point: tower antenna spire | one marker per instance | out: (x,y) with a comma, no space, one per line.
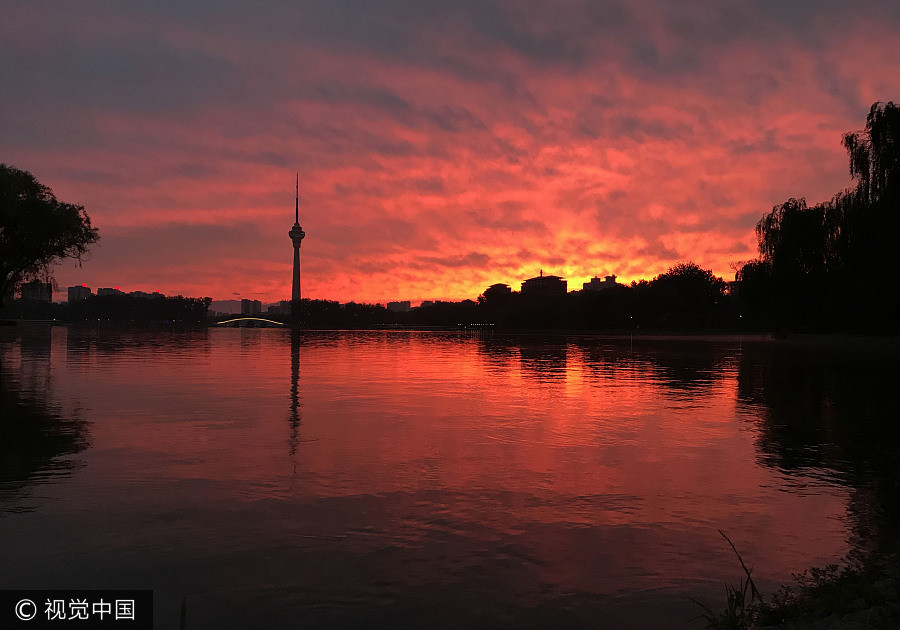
(296,235)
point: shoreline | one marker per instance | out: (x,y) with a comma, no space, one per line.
(857,596)
(882,342)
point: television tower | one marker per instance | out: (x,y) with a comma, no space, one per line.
(296,235)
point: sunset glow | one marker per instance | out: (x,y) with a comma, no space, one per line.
(442,147)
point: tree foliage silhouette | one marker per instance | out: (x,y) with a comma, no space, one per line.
(875,152)
(830,266)
(685,296)
(36,229)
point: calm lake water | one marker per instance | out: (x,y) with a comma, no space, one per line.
(396,479)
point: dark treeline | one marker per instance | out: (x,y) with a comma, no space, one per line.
(331,314)
(126,309)
(684,298)
(830,267)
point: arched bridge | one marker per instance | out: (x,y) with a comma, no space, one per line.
(250,322)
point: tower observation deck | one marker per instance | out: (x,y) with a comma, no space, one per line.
(296,235)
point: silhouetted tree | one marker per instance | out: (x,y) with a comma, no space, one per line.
(36,229)
(495,295)
(792,238)
(793,242)
(138,310)
(608,309)
(331,314)
(756,281)
(832,265)
(445,314)
(686,296)
(875,152)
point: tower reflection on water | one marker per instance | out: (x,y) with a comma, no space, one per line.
(295,396)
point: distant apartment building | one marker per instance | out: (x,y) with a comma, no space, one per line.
(544,285)
(79,293)
(282,308)
(251,307)
(399,307)
(37,291)
(596,284)
(109,291)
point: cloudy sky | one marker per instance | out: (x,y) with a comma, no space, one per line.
(442,145)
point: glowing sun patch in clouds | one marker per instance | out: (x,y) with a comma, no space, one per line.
(441,148)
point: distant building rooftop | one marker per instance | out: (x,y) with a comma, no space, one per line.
(76,293)
(596,284)
(399,307)
(37,291)
(544,285)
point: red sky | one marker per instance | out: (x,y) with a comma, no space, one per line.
(441,146)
